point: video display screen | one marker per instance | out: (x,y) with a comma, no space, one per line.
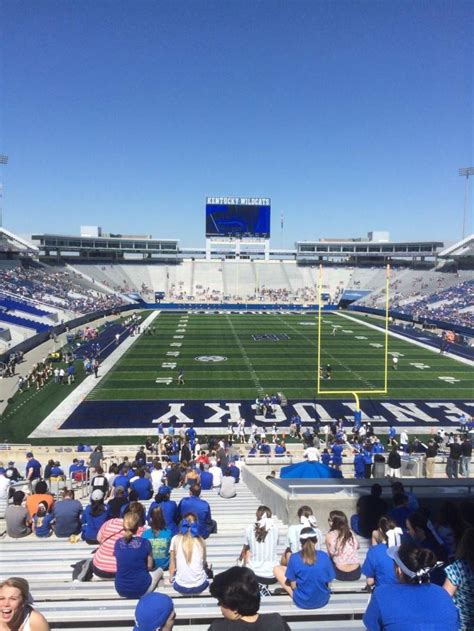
(238,220)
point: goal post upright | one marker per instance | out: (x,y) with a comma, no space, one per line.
(354,393)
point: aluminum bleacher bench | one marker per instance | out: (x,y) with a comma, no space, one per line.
(196,610)
(296,625)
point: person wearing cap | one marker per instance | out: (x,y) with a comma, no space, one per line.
(40,494)
(237,593)
(308,573)
(33,469)
(168,507)
(16,517)
(413,602)
(93,517)
(154,612)
(12,473)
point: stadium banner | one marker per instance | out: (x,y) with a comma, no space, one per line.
(210,415)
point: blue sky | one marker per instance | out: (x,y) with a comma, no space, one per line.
(351,116)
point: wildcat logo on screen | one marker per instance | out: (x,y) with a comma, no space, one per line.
(211,358)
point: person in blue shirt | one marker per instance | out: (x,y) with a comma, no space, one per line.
(280,450)
(169,508)
(392,432)
(142,486)
(206,477)
(326,457)
(191,436)
(307,574)
(122,480)
(378,567)
(337,450)
(377,447)
(234,471)
(412,603)
(160,538)
(253,451)
(33,468)
(42,526)
(135,574)
(265,448)
(359,466)
(93,517)
(368,460)
(413,504)
(201,509)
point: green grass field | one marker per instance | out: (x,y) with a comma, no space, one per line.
(287,364)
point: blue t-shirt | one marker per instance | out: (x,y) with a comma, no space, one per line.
(379,566)
(160,545)
(143,488)
(91,524)
(415,607)
(325,458)
(399,515)
(43,525)
(234,472)
(202,511)
(169,508)
(133,578)
(35,466)
(206,480)
(337,454)
(311,590)
(122,480)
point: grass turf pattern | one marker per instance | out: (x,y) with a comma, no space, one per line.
(274,352)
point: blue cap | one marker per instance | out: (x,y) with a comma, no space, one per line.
(152,611)
(164,490)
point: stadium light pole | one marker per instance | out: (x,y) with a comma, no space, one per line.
(3,160)
(465,172)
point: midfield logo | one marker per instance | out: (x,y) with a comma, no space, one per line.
(211,358)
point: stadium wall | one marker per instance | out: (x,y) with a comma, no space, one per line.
(34,341)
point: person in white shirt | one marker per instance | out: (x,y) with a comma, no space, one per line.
(156,476)
(260,549)
(312,454)
(5,484)
(216,475)
(404,440)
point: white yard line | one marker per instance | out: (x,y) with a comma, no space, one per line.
(247,361)
(399,336)
(52,423)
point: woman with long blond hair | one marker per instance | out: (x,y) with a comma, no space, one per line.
(342,547)
(16,607)
(135,574)
(188,558)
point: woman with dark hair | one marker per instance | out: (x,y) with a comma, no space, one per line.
(306,519)
(422,532)
(42,521)
(378,567)
(460,580)
(238,596)
(412,603)
(160,538)
(342,547)
(136,574)
(259,552)
(168,507)
(94,517)
(308,573)
(450,526)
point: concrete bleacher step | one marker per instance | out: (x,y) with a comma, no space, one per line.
(198,610)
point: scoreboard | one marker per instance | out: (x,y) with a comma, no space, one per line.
(238,217)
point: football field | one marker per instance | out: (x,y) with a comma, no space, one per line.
(237,357)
